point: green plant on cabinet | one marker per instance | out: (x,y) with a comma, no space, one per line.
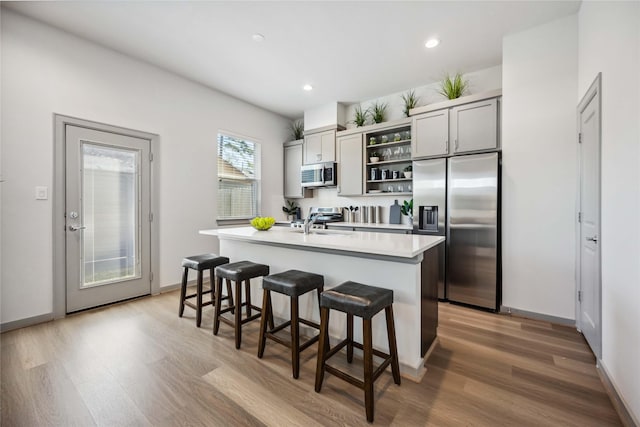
(453,87)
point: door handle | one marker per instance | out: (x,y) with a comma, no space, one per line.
(593,239)
(75,228)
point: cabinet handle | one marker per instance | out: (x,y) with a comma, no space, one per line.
(446,145)
(456,142)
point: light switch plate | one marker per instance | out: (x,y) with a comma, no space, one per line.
(42,193)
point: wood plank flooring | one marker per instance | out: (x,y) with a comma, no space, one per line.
(138,364)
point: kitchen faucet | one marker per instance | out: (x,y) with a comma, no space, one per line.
(308,222)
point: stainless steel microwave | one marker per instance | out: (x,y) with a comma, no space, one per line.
(319,175)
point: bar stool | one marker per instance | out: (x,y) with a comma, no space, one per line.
(238,272)
(363,301)
(199,263)
(292,283)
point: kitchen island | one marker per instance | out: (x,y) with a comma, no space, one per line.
(408,264)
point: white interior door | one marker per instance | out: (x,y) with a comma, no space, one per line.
(107,217)
(589,278)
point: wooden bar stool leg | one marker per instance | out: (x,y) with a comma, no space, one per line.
(216,317)
(270,313)
(393,348)
(247,298)
(212,275)
(349,337)
(229,294)
(183,291)
(199,299)
(368,367)
(238,314)
(295,338)
(319,291)
(323,346)
(266,302)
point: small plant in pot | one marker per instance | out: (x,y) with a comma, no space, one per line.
(360,116)
(378,111)
(408,171)
(410,101)
(407,209)
(374,157)
(291,209)
(453,87)
(297,129)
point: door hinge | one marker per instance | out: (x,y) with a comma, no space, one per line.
(150,156)
(579,216)
(151,276)
(580,138)
(150,216)
(579,296)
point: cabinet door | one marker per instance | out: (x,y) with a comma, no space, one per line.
(431,134)
(320,147)
(312,149)
(292,163)
(474,127)
(350,165)
(328,144)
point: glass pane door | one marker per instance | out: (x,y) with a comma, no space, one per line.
(110,208)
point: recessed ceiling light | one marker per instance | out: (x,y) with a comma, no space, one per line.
(307,87)
(257,37)
(431,43)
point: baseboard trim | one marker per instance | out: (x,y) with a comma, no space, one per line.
(23,323)
(626,416)
(537,316)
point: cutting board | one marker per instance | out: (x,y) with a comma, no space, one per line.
(394,213)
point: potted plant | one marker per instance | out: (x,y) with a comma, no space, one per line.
(297,129)
(408,171)
(410,101)
(453,87)
(360,116)
(407,209)
(378,111)
(291,209)
(374,157)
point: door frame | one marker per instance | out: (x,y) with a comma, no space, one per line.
(595,90)
(59,197)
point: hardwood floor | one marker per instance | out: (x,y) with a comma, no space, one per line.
(138,364)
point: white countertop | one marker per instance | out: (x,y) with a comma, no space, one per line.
(387,244)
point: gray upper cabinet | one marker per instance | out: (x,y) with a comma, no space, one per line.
(350,165)
(292,163)
(474,127)
(431,134)
(320,147)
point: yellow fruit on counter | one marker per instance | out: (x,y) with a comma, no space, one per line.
(263,223)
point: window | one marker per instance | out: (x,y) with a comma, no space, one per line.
(238,178)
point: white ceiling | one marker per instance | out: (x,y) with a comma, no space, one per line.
(348,51)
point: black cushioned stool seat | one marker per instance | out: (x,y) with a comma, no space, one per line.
(238,272)
(363,301)
(292,283)
(199,263)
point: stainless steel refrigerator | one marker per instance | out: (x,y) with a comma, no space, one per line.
(459,198)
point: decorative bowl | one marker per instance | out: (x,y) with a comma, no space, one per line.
(263,223)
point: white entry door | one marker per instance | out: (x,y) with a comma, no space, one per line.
(589,278)
(107,217)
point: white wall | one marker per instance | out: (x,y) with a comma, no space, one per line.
(46,71)
(539,74)
(609,42)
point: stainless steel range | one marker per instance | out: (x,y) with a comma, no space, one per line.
(320,217)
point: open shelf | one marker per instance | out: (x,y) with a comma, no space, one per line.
(388,144)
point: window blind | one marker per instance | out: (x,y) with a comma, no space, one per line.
(238,185)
